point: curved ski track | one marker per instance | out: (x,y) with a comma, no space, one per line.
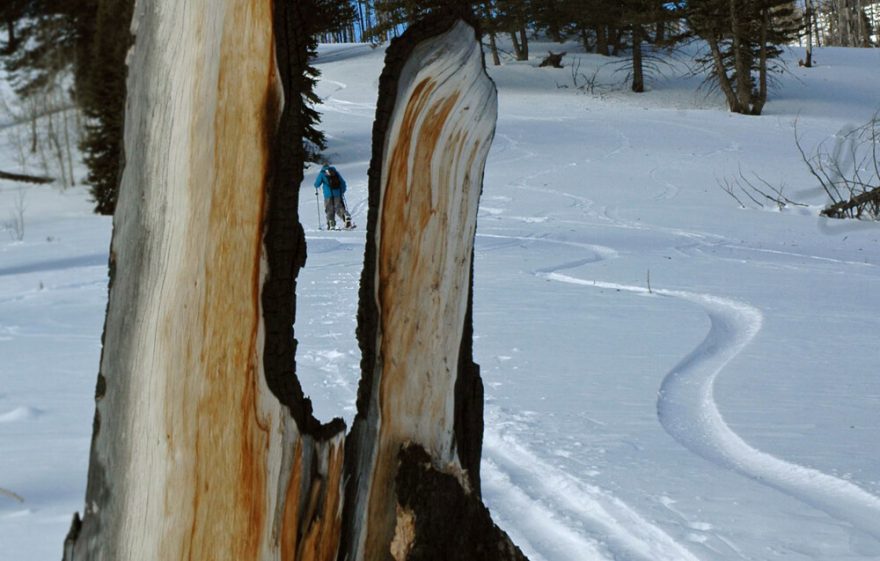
(688,412)
(686,407)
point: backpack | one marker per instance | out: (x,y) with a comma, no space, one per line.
(333,179)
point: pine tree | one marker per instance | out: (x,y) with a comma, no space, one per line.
(50,37)
(11,11)
(744,37)
(103,101)
(320,16)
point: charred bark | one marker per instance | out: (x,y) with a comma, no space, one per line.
(438,520)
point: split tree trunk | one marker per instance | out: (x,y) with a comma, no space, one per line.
(204,446)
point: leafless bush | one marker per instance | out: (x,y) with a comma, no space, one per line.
(849,171)
(758,190)
(15,224)
(585,82)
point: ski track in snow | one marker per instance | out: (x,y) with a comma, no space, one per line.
(688,412)
(569,510)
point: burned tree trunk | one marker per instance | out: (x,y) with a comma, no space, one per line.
(435,122)
(204,446)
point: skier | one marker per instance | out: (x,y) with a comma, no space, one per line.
(334,199)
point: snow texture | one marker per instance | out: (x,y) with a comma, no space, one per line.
(668,376)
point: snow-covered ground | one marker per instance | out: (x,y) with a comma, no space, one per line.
(669,377)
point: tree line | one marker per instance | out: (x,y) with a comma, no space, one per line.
(88,41)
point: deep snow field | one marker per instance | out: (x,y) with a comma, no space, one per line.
(669,377)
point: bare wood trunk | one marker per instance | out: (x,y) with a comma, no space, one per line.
(204,446)
(420,385)
(201,447)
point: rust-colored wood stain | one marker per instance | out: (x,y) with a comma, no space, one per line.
(416,244)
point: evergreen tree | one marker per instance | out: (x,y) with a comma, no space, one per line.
(11,11)
(744,37)
(319,16)
(103,102)
(50,36)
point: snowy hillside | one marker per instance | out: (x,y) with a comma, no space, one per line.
(669,377)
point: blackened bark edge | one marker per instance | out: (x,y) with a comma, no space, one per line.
(449,524)
(285,239)
(468,398)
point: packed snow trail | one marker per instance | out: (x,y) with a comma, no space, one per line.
(687,410)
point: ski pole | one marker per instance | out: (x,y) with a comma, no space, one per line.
(345,204)
(318,206)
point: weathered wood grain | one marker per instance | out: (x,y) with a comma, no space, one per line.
(435,124)
(194,455)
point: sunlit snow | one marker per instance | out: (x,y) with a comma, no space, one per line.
(669,377)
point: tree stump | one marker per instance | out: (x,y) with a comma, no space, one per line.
(204,445)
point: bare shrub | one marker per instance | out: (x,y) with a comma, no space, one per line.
(15,224)
(849,171)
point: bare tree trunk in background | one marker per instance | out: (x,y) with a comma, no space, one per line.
(204,445)
(808,16)
(864,25)
(585,39)
(759,101)
(602,39)
(493,47)
(721,72)
(517,49)
(616,36)
(660,32)
(523,43)
(638,83)
(742,61)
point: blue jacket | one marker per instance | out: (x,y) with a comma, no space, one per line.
(323,180)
